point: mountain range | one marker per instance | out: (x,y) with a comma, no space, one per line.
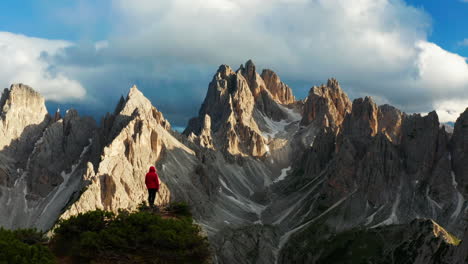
(270,178)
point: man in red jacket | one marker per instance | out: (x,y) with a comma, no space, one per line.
(152,183)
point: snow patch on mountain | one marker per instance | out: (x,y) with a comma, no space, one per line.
(284,173)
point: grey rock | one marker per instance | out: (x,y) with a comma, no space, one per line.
(258,168)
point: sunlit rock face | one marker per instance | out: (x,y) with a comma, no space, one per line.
(42,158)
(326,105)
(140,134)
(280,92)
(234,102)
(266,175)
(23,118)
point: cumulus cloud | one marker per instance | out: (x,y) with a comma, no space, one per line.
(21,62)
(374,47)
(444,72)
(449,110)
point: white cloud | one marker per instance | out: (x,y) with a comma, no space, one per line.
(449,111)
(376,47)
(21,62)
(439,70)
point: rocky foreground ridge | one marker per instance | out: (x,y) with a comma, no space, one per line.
(267,175)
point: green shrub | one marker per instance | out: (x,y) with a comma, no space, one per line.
(180,209)
(23,247)
(132,237)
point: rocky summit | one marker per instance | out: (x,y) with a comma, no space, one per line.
(269,178)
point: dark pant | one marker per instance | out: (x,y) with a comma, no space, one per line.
(152,196)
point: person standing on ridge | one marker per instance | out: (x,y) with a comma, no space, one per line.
(152,183)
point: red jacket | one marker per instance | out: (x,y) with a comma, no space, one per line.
(152,179)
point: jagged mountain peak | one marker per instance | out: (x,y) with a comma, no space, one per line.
(236,101)
(248,166)
(22,96)
(57,115)
(23,89)
(23,115)
(136,100)
(134,91)
(248,67)
(280,92)
(333,83)
(135,94)
(363,104)
(135,105)
(332,88)
(224,71)
(363,119)
(71,114)
(326,105)
(250,64)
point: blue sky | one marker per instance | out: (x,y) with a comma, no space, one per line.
(85,55)
(55,19)
(449,22)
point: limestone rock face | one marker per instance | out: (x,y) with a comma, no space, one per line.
(230,104)
(243,108)
(266,176)
(363,120)
(42,160)
(23,118)
(280,92)
(206,139)
(326,105)
(380,174)
(55,153)
(140,133)
(390,120)
(254,80)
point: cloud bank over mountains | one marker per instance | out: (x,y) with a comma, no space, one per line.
(373,47)
(22,61)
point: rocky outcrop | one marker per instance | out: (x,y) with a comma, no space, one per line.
(23,118)
(254,80)
(256,240)
(55,153)
(43,160)
(419,143)
(390,120)
(326,105)
(206,139)
(457,254)
(267,177)
(363,120)
(280,92)
(459,146)
(386,168)
(140,133)
(420,241)
(230,103)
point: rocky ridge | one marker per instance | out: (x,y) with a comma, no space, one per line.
(262,171)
